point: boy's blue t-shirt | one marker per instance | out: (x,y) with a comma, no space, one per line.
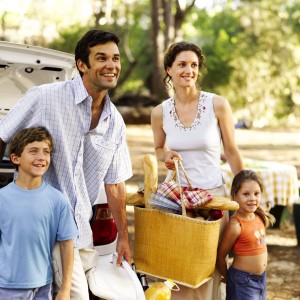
(30,223)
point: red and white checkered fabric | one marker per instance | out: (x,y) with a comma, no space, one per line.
(192,197)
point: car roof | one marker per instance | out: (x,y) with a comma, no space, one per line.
(24,66)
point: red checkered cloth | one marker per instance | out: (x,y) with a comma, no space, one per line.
(192,197)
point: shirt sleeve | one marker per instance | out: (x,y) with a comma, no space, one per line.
(67,228)
(120,168)
(24,114)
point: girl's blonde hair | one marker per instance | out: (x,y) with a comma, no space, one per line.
(249,175)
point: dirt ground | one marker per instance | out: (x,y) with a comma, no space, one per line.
(283,271)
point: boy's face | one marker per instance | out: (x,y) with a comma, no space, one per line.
(105,67)
(34,160)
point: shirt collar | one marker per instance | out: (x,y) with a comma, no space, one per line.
(80,91)
(81,94)
(106,108)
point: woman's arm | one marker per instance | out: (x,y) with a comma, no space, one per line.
(161,150)
(232,232)
(224,115)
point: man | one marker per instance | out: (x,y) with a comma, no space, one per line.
(90,142)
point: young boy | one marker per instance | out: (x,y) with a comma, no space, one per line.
(33,215)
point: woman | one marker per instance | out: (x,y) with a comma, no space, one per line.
(191,125)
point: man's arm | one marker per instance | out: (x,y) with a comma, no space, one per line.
(116,196)
(2,149)
(67,260)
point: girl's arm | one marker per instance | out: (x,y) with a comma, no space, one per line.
(161,150)
(224,115)
(232,232)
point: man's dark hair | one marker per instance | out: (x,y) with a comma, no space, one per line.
(92,38)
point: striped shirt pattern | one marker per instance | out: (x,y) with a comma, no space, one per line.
(82,159)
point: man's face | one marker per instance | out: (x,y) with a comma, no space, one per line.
(105,67)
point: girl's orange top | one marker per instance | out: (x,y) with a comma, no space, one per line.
(252,240)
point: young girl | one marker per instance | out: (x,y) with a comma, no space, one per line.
(245,236)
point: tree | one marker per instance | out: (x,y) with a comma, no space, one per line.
(167,20)
(265,69)
(251,55)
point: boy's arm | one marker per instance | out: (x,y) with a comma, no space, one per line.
(67,260)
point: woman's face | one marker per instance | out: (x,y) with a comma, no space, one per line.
(185,69)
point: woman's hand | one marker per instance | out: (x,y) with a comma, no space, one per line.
(169,159)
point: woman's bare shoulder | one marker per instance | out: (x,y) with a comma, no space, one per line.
(157,111)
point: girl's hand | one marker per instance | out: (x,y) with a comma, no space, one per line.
(169,159)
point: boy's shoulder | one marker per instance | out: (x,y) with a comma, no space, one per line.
(6,189)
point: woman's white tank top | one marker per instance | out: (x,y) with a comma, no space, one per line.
(199,144)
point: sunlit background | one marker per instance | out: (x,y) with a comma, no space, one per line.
(252,48)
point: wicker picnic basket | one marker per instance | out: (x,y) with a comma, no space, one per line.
(171,246)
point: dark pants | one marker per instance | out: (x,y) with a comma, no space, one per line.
(296,215)
(245,286)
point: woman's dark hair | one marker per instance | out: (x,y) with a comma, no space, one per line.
(172,53)
(249,175)
(92,38)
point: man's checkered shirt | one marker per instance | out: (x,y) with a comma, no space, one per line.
(82,159)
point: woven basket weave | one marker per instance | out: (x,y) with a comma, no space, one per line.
(176,247)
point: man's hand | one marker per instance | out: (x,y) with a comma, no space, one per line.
(63,294)
(123,250)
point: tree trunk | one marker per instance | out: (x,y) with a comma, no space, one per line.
(157,89)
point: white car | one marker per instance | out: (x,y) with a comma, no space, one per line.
(22,67)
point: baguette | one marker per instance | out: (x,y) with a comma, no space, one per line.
(136,199)
(150,186)
(150,176)
(223,203)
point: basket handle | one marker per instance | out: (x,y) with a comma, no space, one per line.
(176,161)
(184,172)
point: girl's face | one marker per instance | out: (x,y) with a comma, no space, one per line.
(185,69)
(248,196)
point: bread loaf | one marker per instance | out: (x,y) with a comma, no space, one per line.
(150,176)
(136,199)
(150,186)
(223,203)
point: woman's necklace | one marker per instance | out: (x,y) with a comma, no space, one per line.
(197,119)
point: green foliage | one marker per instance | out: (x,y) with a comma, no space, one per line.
(251,49)
(68,38)
(216,36)
(252,55)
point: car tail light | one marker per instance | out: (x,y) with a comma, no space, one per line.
(103,225)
